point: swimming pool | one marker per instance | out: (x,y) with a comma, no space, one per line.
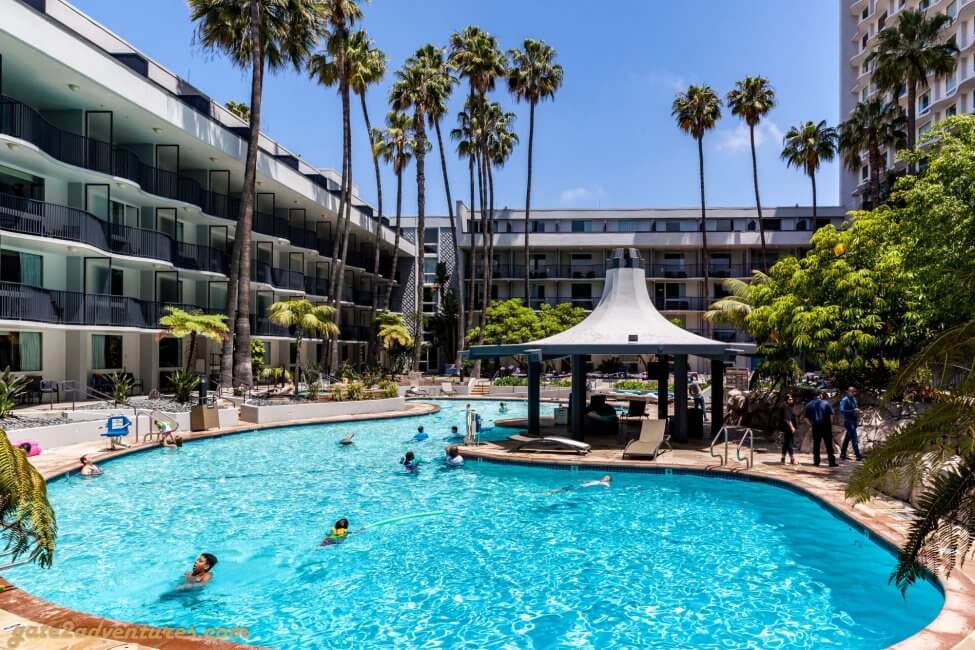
(522,557)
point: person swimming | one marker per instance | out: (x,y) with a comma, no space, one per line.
(172,441)
(89,468)
(605,481)
(202,571)
(454,433)
(347,440)
(410,462)
(338,534)
(421,435)
(454,459)
(502,408)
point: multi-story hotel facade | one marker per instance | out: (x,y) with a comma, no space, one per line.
(119,191)
(860,22)
(569,249)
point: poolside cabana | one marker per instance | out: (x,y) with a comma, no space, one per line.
(625,322)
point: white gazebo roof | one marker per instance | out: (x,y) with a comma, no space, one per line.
(624,322)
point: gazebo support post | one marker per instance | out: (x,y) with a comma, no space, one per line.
(663,374)
(717,395)
(577,400)
(680,398)
(534,379)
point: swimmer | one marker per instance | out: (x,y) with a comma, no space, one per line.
(347,440)
(502,408)
(454,434)
(410,462)
(421,435)
(605,481)
(89,468)
(171,441)
(202,571)
(454,459)
(339,532)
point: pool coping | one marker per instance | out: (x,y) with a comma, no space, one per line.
(54,621)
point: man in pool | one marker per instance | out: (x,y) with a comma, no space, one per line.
(454,459)
(202,571)
(89,468)
(421,435)
(605,481)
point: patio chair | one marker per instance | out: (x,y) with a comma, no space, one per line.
(117,427)
(549,443)
(415,391)
(653,436)
(447,388)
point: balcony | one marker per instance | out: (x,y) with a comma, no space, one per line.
(262,326)
(317,286)
(684,303)
(279,278)
(199,258)
(586,303)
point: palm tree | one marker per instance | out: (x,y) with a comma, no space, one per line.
(253,35)
(907,53)
(420,88)
(393,332)
(534,76)
(872,126)
(697,110)
(463,134)
(395,146)
(434,59)
(305,319)
(734,308)
(240,109)
(180,323)
(751,99)
(368,68)
(808,145)
(500,141)
(936,452)
(27,523)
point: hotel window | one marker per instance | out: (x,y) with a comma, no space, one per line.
(864,173)
(672,226)
(951,82)
(924,4)
(924,102)
(21,351)
(537,226)
(429,270)
(881,21)
(865,13)
(431,237)
(106,352)
(22,268)
(924,129)
(952,10)
(21,185)
(582,226)
(952,110)
(772,225)
(631,225)
(721,225)
(169,353)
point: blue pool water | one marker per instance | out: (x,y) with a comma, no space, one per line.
(522,557)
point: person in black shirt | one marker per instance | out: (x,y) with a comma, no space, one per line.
(789,424)
(819,412)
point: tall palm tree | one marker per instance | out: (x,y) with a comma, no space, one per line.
(27,523)
(697,110)
(396,146)
(304,318)
(907,53)
(751,99)
(500,142)
(434,59)
(463,134)
(533,76)
(872,126)
(180,323)
(393,333)
(419,88)
(368,67)
(807,146)
(253,35)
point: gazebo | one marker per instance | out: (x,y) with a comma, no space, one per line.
(625,322)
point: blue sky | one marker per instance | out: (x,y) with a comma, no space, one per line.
(608,140)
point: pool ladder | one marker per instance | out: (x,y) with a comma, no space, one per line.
(748,435)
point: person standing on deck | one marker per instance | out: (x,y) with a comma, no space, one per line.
(819,412)
(789,425)
(850,408)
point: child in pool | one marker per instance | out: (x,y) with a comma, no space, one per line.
(410,462)
(339,532)
(202,571)
(454,459)
(421,435)
(502,408)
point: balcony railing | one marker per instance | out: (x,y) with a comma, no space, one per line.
(262,326)
(317,286)
(280,278)
(681,303)
(200,258)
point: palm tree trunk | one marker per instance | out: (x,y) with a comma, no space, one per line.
(421,147)
(458,265)
(399,211)
(227,349)
(242,240)
(812,177)
(347,219)
(911,114)
(482,198)
(297,359)
(373,347)
(189,358)
(758,200)
(528,194)
(704,228)
(874,157)
(490,270)
(471,256)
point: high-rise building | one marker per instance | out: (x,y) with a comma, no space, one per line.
(860,22)
(119,192)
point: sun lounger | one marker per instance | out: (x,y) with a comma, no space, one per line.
(447,388)
(550,443)
(415,390)
(653,435)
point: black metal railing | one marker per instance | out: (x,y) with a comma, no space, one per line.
(316,286)
(280,278)
(681,303)
(263,326)
(200,258)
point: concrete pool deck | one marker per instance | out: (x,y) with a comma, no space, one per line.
(28,621)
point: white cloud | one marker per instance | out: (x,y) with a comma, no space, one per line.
(668,80)
(572,196)
(738,139)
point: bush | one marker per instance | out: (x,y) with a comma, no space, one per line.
(11,388)
(122,384)
(635,384)
(560,383)
(389,388)
(511,381)
(355,391)
(609,365)
(184,382)
(345,371)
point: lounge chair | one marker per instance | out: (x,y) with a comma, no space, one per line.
(653,435)
(447,388)
(414,391)
(549,443)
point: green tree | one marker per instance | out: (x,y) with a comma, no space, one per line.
(872,126)
(27,520)
(806,147)
(180,324)
(395,145)
(240,109)
(697,110)
(935,451)
(305,319)
(254,35)
(533,77)
(751,99)
(906,53)
(510,321)
(395,338)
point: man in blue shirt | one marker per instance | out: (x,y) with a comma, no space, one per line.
(819,412)
(850,408)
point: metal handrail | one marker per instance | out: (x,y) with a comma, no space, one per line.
(750,461)
(724,460)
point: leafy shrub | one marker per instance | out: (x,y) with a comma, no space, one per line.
(345,371)
(314,388)
(257,355)
(122,384)
(389,388)
(635,384)
(11,388)
(355,391)
(184,382)
(560,383)
(511,381)
(609,364)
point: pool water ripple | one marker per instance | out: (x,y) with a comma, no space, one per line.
(521,557)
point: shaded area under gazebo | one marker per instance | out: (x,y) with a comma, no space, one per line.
(625,322)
